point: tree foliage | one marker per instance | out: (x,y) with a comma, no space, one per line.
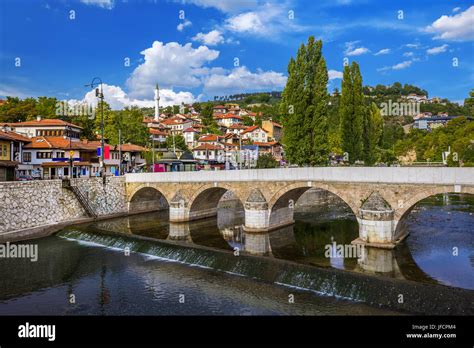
(351,112)
(304,106)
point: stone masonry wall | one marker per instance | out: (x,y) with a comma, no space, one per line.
(32,204)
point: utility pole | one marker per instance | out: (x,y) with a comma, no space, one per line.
(240,151)
(97,81)
(120,152)
(174,145)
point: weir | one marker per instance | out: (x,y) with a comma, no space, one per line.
(419,298)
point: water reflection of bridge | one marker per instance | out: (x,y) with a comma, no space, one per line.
(226,232)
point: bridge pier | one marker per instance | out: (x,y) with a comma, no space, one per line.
(377,225)
(180,232)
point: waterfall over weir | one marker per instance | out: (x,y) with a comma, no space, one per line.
(373,290)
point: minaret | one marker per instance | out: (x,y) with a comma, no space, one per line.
(157,102)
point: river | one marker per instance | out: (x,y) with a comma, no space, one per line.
(92,269)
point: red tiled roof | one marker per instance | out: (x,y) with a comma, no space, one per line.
(156,132)
(44,123)
(9,135)
(210,137)
(249,129)
(237,126)
(130,148)
(61,143)
(208,147)
(219,107)
(191,129)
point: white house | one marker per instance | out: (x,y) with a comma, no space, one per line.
(255,133)
(45,127)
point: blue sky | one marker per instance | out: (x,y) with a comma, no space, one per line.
(196,49)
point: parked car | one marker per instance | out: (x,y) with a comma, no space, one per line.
(25,178)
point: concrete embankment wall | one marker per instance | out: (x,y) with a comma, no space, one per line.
(28,209)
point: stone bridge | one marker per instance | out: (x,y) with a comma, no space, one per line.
(380,197)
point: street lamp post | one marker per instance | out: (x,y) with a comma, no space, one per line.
(96,82)
(70,152)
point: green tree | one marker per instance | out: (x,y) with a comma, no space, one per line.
(130,122)
(469,104)
(266,160)
(247,121)
(179,143)
(46,107)
(351,112)
(373,125)
(17,110)
(304,106)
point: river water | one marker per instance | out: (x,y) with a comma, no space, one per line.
(83,270)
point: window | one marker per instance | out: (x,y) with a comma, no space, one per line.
(42,155)
(3,151)
(26,156)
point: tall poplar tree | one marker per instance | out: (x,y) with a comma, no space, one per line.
(351,112)
(373,126)
(304,106)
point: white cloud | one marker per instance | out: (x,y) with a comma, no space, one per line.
(456,9)
(459,27)
(107,4)
(118,99)
(383,51)
(212,38)
(223,5)
(351,50)
(241,79)
(171,65)
(437,50)
(403,65)
(415,45)
(408,54)
(334,74)
(269,20)
(183,25)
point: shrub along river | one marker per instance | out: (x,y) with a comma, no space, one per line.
(144,265)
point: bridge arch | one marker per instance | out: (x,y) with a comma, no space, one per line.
(402,213)
(204,201)
(282,203)
(147,198)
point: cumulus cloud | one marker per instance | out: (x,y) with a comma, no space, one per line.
(171,65)
(118,99)
(459,27)
(269,20)
(408,54)
(383,51)
(241,79)
(183,25)
(437,50)
(212,38)
(107,4)
(334,74)
(352,50)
